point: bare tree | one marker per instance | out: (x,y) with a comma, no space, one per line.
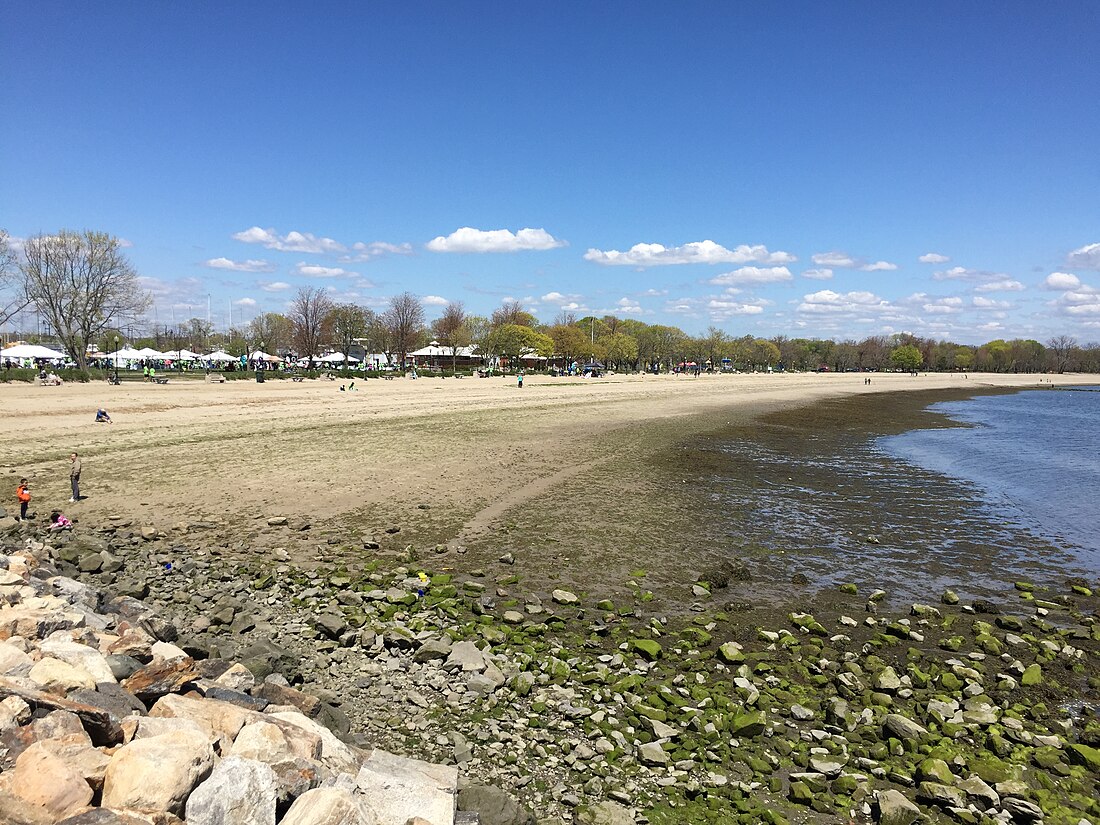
(13,296)
(80,282)
(451,330)
(1062,347)
(512,312)
(308,312)
(404,322)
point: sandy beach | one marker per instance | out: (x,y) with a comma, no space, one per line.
(469,449)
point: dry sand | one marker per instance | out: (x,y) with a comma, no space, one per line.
(470,448)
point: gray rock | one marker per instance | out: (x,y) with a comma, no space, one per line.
(330,624)
(942,795)
(606,813)
(564,597)
(432,650)
(466,657)
(494,806)
(238,792)
(1022,809)
(651,753)
(902,727)
(895,809)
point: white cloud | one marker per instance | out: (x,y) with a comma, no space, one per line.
(629,305)
(375,249)
(933,305)
(697,252)
(981,302)
(655,293)
(558,298)
(239,266)
(827,302)
(245,302)
(435,301)
(843,260)
(720,309)
(1007,285)
(290,242)
(962,273)
(1087,257)
(275,286)
(820,274)
(125,244)
(468,239)
(1062,280)
(315,271)
(933,258)
(839,259)
(754,275)
(991,326)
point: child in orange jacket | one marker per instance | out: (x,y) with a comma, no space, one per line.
(24,497)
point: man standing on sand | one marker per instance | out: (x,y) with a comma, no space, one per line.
(74,476)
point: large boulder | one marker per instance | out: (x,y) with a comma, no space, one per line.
(895,809)
(399,788)
(45,781)
(158,773)
(237,792)
(329,806)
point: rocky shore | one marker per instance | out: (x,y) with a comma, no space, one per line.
(565,706)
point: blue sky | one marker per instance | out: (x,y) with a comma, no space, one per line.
(766,168)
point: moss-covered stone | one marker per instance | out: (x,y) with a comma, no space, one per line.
(650,650)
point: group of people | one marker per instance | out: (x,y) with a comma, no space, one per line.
(57,520)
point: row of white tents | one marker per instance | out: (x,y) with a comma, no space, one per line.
(127,355)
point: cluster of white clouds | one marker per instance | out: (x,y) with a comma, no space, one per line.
(842,260)
(697,252)
(754,267)
(1077,299)
(468,239)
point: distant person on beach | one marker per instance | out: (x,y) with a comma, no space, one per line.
(23,496)
(102,417)
(74,476)
(58,522)
(519,379)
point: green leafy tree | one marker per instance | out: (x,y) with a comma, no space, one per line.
(906,357)
(346,324)
(619,348)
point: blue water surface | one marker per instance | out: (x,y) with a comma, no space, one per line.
(1033,456)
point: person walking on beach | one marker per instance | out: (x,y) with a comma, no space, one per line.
(74,476)
(519,379)
(23,496)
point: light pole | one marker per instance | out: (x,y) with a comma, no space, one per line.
(116,359)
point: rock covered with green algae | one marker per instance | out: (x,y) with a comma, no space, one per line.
(939,710)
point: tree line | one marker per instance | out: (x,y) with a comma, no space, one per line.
(83,285)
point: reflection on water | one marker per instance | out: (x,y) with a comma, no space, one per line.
(1032,456)
(912,513)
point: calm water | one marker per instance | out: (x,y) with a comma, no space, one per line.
(1032,458)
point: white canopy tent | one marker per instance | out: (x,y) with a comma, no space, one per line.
(181,355)
(21,351)
(336,358)
(149,352)
(127,354)
(220,357)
